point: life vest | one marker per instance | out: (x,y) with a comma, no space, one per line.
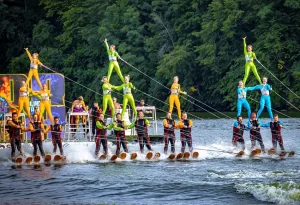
(185,131)
(168,130)
(45,96)
(56,131)
(101,132)
(254,131)
(37,135)
(141,127)
(34,64)
(15,133)
(275,128)
(239,132)
(23,92)
(264,91)
(112,56)
(120,124)
(243,94)
(126,89)
(175,90)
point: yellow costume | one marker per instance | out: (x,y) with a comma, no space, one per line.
(174,97)
(34,63)
(45,104)
(24,100)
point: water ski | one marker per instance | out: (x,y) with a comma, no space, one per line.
(48,158)
(195,154)
(28,160)
(123,155)
(291,154)
(133,156)
(156,156)
(172,156)
(19,160)
(149,155)
(103,157)
(179,155)
(240,153)
(186,155)
(255,152)
(37,159)
(282,154)
(271,151)
(58,158)
(113,157)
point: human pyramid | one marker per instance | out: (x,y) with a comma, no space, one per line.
(37,129)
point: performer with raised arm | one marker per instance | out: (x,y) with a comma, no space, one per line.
(174,97)
(34,64)
(113,63)
(242,101)
(249,57)
(127,96)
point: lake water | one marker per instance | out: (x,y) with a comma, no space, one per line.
(213,178)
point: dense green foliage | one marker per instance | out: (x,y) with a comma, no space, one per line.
(200,41)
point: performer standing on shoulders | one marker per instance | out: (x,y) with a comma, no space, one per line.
(238,132)
(249,56)
(101,137)
(185,126)
(174,97)
(254,126)
(36,128)
(45,103)
(141,127)
(23,101)
(107,100)
(113,63)
(242,101)
(127,96)
(265,98)
(169,134)
(14,129)
(34,64)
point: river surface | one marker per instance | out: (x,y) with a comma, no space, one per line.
(213,178)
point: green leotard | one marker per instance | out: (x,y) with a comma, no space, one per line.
(249,57)
(106,88)
(127,96)
(113,63)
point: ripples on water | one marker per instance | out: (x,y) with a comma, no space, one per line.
(215,178)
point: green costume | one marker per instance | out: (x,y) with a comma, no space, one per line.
(249,57)
(113,63)
(127,96)
(106,87)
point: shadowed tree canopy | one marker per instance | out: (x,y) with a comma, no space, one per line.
(199,41)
